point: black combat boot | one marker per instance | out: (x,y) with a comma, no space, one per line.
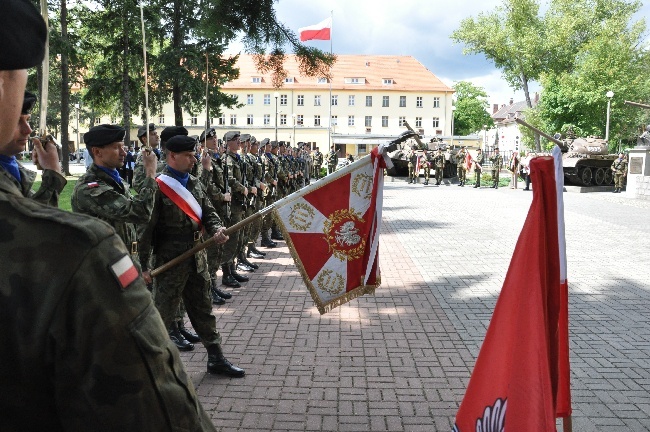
(276,234)
(216,298)
(181,343)
(218,364)
(237,276)
(253,253)
(228,279)
(214,289)
(254,249)
(475,185)
(241,259)
(189,335)
(426,182)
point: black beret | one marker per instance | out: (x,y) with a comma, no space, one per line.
(211,133)
(229,136)
(23,35)
(142,130)
(180,143)
(28,102)
(99,136)
(172,131)
(265,141)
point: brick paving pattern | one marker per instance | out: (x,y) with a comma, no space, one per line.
(400,360)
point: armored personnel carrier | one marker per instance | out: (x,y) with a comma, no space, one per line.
(586,160)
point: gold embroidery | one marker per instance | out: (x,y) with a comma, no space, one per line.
(301,216)
(330,282)
(362,186)
(341,235)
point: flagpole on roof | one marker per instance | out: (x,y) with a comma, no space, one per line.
(146,76)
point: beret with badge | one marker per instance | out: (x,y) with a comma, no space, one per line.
(105,134)
(211,133)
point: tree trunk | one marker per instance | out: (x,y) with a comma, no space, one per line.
(65,91)
(126,94)
(176,43)
(529,104)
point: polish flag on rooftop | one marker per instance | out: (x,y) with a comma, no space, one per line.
(320,31)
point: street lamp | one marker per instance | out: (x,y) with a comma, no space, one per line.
(610,95)
(277,95)
(453,108)
(76,107)
(293,116)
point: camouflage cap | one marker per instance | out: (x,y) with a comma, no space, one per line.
(101,135)
(180,143)
(244,137)
(229,136)
(172,131)
(265,142)
(211,133)
(28,103)
(275,144)
(142,130)
(254,141)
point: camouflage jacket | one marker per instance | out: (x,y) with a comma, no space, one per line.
(87,351)
(425,162)
(412,157)
(460,159)
(619,166)
(332,158)
(51,186)
(235,177)
(97,194)
(479,160)
(439,160)
(171,232)
(317,158)
(497,162)
(138,171)
(215,186)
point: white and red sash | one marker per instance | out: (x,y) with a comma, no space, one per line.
(175,191)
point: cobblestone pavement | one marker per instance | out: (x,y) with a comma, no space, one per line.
(400,360)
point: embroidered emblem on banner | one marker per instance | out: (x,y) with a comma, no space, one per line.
(362,186)
(301,217)
(341,234)
(330,282)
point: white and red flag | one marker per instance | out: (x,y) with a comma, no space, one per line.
(320,31)
(521,378)
(332,230)
(468,161)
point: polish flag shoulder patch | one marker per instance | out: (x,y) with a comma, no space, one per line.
(92,185)
(124,271)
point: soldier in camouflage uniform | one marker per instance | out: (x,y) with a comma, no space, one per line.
(67,318)
(460,166)
(412,157)
(214,182)
(439,162)
(479,160)
(497,164)
(247,165)
(272,169)
(154,144)
(619,167)
(258,174)
(52,181)
(171,232)
(238,205)
(332,160)
(317,158)
(425,164)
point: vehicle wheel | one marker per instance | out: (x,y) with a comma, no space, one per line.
(599,177)
(586,176)
(609,177)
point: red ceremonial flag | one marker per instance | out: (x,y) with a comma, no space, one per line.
(320,31)
(416,169)
(521,378)
(468,161)
(332,230)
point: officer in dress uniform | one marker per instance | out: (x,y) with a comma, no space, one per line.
(67,318)
(173,230)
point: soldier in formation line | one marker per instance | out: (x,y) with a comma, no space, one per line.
(497,164)
(412,158)
(332,160)
(439,162)
(66,318)
(317,163)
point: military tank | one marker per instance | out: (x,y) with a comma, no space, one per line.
(586,160)
(399,157)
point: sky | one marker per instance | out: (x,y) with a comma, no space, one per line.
(419,28)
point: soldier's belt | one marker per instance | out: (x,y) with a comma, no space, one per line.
(190,237)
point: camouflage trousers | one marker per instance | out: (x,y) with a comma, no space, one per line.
(331,168)
(619,179)
(477,177)
(256,227)
(248,229)
(188,281)
(315,171)
(427,173)
(267,221)
(495,176)
(439,175)
(462,174)
(232,247)
(412,174)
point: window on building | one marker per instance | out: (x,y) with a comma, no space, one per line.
(316,120)
(384,121)
(267,119)
(418,122)
(351,100)
(322,80)
(222,120)
(355,80)
(161,119)
(402,101)
(436,102)
(368,101)
(288,80)
(283,99)
(401,121)
(257,80)
(283,119)
(301,100)
(249,119)
(385,101)
(335,120)
(418,102)
(368,121)
(436,122)
(249,99)
(267,99)
(363,148)
(316,100)
(194,120)
(335,100)
(233,119)
(350,120)
(387,81)
(300,119)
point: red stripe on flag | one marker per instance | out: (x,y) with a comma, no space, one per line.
(320,34)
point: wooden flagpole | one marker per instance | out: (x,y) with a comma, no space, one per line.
(146,78)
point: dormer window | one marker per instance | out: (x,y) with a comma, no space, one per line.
(322,80)
(387,81)
(288,80)
(355,80)
(257,80)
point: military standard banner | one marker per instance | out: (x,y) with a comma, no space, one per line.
(332,230)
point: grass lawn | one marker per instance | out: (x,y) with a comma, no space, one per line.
(66,194)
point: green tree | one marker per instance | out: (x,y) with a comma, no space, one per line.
(471,112)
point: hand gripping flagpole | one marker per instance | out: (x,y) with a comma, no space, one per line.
(147,147)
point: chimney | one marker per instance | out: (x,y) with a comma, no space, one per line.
(511,101)
(495,108)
